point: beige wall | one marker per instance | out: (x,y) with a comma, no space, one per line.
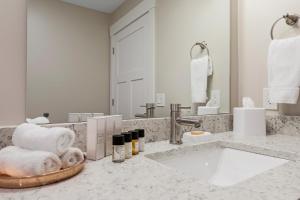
(234,61)
(12,61)
(179,25)
(68,60)
(255,20)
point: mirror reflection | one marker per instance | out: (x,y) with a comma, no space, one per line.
(88,60)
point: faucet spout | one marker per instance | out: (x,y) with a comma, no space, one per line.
(177,121)
(150,107)
(189,122)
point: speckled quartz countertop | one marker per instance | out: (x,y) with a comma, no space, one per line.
(141,178)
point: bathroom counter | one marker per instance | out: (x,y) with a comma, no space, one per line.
(142,178)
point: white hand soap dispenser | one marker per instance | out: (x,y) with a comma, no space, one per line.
(248,120)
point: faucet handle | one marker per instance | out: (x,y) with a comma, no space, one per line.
(149,105)
(177,107)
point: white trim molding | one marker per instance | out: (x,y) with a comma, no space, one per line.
(132,15)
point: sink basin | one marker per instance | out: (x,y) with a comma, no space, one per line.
(218,165)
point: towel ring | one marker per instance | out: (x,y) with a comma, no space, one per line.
(290,20)
(203,46)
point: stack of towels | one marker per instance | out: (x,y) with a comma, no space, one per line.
(38,151)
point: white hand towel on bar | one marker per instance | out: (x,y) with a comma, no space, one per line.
(18,162)
(199,73)
(72,157)
(284,70)
(210,67)
(33,137)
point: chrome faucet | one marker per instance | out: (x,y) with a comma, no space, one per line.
(150,107)
(176,123)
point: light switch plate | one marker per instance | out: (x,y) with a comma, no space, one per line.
(266,101)
(161,99)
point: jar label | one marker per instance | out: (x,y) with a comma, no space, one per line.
(128,150)
(137,146)
(119,153)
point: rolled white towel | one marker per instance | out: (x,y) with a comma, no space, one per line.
(72,157)
(33,137)
(18,162)
(25,127)
(38,120)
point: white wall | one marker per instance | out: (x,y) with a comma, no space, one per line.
(255,20)
(12,61)
(68,60)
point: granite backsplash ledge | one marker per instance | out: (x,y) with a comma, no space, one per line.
(157,129)
(285,125)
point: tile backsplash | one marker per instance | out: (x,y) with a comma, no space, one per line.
(157,129)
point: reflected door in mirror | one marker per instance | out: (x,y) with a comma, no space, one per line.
(133,78)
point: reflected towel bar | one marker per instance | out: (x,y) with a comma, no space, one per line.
(203,46)
(290,20)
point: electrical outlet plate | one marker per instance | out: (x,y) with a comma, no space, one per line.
(160,100)
(266,101)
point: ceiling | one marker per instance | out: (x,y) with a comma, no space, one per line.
(106,6)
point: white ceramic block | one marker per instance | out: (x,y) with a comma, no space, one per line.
(249,122)
(98,114)
(74,117)
(86,116)
(96,138)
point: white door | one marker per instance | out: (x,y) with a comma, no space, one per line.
(133,67)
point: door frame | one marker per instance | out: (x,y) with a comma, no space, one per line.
(146,7)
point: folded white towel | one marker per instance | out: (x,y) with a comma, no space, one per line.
(284,70)
(18,162)
(199,73)
(33,137)
(72,157)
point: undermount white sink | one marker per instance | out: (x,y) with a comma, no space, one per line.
(219,166)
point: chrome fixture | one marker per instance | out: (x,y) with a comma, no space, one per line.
(202,45)
(290,20)
(177,122)
(150,107)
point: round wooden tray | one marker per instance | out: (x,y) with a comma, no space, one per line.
(36,181)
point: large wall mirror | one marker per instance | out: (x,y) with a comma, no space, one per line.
(84,62)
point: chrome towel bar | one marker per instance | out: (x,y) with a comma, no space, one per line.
(290,20)
(203,46)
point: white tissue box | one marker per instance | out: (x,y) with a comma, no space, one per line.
(204,110)
(249,121)
(96,138)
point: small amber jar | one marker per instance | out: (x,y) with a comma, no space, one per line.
(135,142)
